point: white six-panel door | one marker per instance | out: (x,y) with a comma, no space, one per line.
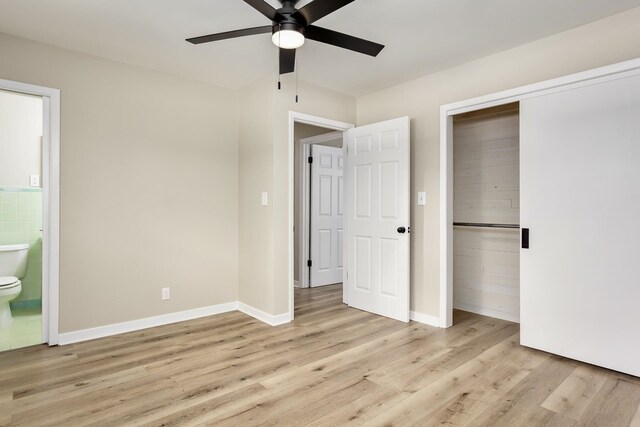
(580,190)
(378,210)
(327,213)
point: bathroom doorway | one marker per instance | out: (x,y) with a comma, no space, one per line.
(29,183)
(21,129)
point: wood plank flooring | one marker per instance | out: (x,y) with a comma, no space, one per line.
(334,365)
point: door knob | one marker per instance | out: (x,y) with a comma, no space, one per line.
(401,230)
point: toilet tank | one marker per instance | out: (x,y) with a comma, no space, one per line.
(13,260)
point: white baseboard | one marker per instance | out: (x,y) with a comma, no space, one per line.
(297,284)
(165,319)
(427,319)
(149,322)
(267,318)
(509,317)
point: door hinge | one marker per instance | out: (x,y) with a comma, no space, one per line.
(310,159)
(309,263)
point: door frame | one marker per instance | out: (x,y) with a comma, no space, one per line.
(585,78)
(302,118)
(50,203)
(305,210)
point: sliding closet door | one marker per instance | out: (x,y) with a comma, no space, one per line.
(580,199)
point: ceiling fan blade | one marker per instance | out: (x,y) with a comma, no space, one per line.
(287,60)
(230,34)
(344,41)
(264,8)
(319,9)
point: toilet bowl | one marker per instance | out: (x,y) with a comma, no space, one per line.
(10,288)
(13,266)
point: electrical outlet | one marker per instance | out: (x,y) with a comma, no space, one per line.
(265,199)
(166,294)
(34,180)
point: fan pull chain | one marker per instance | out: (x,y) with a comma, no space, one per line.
(279,53)
(295,64)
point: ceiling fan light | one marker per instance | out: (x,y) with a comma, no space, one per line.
(288,39)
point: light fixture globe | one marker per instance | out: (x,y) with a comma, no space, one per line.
(288,36)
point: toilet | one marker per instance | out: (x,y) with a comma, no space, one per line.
(13,266)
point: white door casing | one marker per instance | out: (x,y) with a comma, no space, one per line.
(51,203)
(327,212)
(377,200)
(580,190)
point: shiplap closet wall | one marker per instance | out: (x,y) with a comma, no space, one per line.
(486,158)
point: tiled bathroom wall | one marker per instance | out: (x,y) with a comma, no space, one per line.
(21,222)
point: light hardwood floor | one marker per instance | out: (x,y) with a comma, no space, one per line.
(334,365)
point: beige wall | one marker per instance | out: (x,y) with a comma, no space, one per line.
(149,186)
(600,43)
(264,243)
(20,138)
(256,175)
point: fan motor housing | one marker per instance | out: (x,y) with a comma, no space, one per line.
(288,6)
(293,26)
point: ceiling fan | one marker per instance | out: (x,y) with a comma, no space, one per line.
(290,27)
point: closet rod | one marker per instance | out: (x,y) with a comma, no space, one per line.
(484,225)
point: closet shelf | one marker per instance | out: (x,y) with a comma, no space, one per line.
(485,225)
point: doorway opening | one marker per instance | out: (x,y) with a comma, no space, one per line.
(316,198)
(21,126)
(29,215)
(319,206)
(486,213)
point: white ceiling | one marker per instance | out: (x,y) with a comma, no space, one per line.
(422,36)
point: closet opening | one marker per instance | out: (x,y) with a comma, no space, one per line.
(486,213)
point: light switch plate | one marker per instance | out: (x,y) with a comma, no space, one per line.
(265,198)
(34,180)
(166,294)
(422,198)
